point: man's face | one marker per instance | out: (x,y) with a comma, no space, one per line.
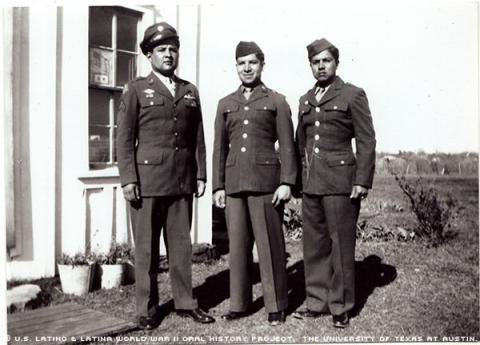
(164,58)
(249,69)
(324,67)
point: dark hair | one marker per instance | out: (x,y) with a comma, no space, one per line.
(261,57)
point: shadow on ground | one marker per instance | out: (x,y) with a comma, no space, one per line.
(369,274)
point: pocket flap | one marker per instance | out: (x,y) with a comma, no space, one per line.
(265,106)
(230,108)
(147,157)
(149,102)
(340,160)
(267,159)
(335,106)
(191,103)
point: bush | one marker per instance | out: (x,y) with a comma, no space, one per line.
(432,212)
(77,259)
(118,253)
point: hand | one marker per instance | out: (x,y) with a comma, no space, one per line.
(131,192)
(283,193)
(219,198)
(359,192)
(200,188)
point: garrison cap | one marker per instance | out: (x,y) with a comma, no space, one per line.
(156,34)
(247,48)
(318,46)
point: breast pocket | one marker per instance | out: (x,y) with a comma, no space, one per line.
(266,108)
(147,102)
(340,107)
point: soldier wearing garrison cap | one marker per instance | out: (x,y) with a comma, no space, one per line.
(334,180)
(161,159)
(252,180)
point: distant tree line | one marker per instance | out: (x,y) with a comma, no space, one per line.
(421,163)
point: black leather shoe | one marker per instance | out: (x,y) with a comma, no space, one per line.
(234,315)
(307,313)
(147,323)
(197,315)
(275,319)
(340,321)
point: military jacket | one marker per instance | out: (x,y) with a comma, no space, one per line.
(160,140)
(324,140)
(244,157)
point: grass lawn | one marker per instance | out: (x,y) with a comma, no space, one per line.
(405,290)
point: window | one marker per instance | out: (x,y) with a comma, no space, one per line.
(113,59)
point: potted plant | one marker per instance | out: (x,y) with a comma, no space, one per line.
(76,273)
(112,265)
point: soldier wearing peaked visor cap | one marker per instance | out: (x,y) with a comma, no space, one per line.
(161,159)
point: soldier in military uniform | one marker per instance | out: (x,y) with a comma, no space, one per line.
(334,180)
(161,159)
(253,181)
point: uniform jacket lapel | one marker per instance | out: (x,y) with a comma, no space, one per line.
(180,89)
(157,84)
(333,91)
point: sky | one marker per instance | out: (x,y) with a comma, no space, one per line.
(417,61)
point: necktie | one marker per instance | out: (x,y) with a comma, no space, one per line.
(319,93)
(171,86)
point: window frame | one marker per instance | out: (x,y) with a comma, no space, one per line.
(112,89)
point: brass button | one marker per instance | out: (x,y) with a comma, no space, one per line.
(317,150)
(317,109)
(245,135)
(146,161)
(175,134)
(335,107)
(317,123)
(245,122)
(243,149)
(317,137)
(342,162)
(176,148)
(246,108)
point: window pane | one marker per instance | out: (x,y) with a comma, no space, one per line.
(98,107)
(127,32)
(126,68)
(100,26)
(99,148)
(101,67)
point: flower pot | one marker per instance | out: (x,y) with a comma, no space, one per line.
(112,275)
(76,279)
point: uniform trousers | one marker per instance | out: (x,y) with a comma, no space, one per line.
(252,217)
(329,227)
(149,217)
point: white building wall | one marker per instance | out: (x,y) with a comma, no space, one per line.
(38,255)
